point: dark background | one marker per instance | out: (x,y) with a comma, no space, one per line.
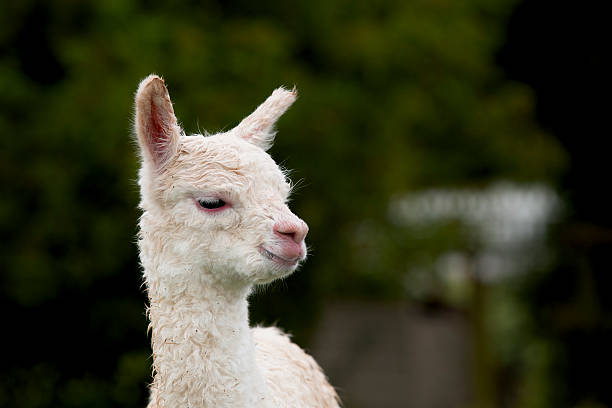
(395,97)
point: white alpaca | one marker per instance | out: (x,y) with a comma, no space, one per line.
(215,222)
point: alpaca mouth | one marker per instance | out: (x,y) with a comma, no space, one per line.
(277,258)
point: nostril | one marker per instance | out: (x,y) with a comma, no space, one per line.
(285,233)
(290,230)
(290,235)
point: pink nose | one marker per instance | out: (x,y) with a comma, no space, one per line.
(294,230)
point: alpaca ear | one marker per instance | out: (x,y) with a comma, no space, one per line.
(258,127)
(156,126)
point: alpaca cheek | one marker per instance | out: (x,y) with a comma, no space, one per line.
(181,248)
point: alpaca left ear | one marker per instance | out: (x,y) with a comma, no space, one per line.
(156,126)
(258,127)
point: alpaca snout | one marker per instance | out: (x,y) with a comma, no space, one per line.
(291,234)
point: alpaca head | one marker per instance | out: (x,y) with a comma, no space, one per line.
(216,204)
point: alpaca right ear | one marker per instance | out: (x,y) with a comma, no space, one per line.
(258,127)
(156,126)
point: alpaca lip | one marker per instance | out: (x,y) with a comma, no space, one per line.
(277,258)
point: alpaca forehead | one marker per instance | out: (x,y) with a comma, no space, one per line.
(223,159)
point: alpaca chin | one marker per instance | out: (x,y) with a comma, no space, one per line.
(271,272)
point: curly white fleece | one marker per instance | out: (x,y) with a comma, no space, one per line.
(199,266)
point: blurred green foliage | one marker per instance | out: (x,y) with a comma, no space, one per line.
(394,96)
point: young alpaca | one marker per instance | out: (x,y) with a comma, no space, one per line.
(215,222)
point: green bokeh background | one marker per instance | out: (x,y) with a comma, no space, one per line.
(394,97)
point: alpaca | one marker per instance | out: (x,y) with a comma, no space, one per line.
(214,223)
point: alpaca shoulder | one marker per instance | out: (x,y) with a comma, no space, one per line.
(293,377)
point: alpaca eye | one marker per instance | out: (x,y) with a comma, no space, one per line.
(211,203)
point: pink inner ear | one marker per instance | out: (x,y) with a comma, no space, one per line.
(158,132)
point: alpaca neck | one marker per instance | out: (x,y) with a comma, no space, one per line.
(203,353)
